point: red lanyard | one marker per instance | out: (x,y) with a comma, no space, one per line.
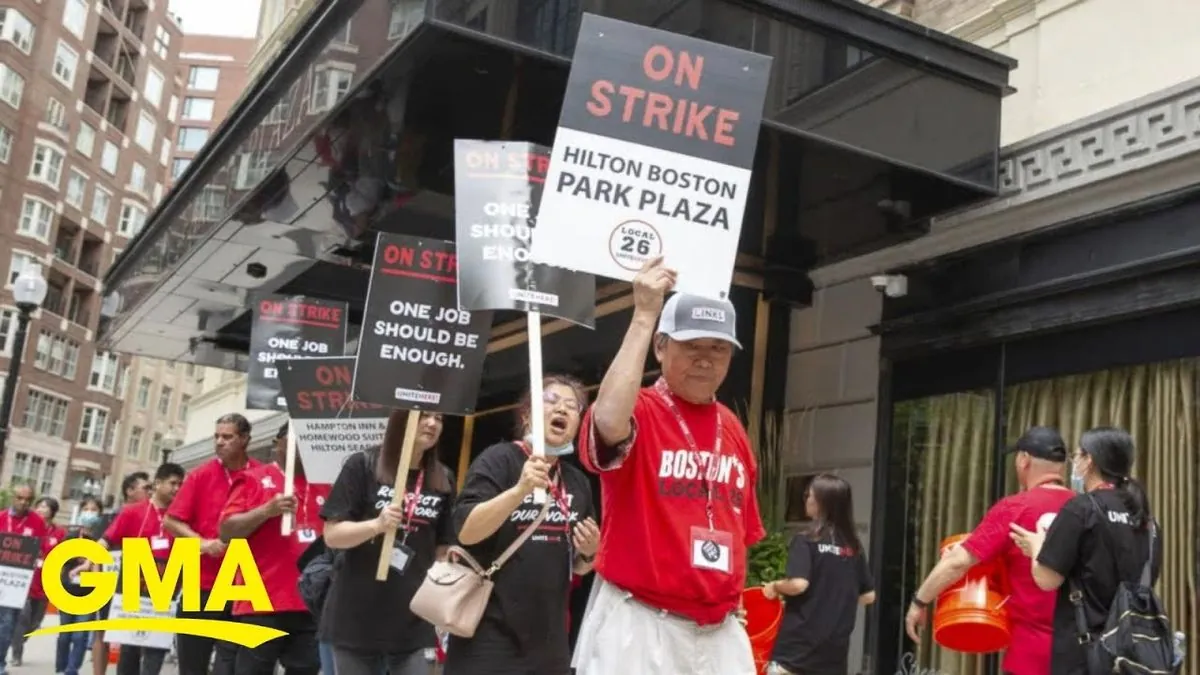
(714,464)
(19,525)
(410,507)
(556,487)
(158,514)
(302,511)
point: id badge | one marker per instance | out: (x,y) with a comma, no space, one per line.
(306,535)
(401,557)
(712,550)
(159,543)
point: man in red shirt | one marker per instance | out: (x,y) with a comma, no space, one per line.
(35,607)
(677,480)
(253,513)
(145,520)
(1040,458)
(18,519)
(196,513)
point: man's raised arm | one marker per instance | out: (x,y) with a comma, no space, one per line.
(618,393)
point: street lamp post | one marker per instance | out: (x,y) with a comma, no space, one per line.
(29,292)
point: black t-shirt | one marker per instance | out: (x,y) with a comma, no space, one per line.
(348,620)
(814,636)
(1077,549)
(524,628)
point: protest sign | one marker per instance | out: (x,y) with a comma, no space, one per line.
(418,350)
(497,189)
(286,327)
(18,558)
(328,426)
(140,638)
(652,156)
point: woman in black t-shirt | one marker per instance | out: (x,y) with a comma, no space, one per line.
(524,627)
(1094,545)
(827,580)
(368,622)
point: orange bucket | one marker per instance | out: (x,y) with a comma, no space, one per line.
(970,615)
(763,617)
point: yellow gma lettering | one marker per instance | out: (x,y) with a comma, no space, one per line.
(138,567)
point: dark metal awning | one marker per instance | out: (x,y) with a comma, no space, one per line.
(872,126)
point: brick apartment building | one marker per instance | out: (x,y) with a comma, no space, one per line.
(85,123)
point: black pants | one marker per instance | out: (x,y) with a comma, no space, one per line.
(296,651)
(30,620)
(196,652)
(349,662)
(140,660)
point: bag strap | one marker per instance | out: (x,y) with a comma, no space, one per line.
(524,536)
(1147,571)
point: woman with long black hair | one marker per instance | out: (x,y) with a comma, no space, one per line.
(827,579)
(1099,539)
(524,626)
(368,623)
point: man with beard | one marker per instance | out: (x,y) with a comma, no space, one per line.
(18,519)
(254,512)
(196,513)
(677,477)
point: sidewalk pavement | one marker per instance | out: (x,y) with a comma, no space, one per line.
(39,656)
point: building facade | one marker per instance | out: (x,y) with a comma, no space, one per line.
(85,89)
(214,72)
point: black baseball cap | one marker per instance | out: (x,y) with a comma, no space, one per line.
(1043,443)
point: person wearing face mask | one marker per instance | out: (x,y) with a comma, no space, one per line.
(1038,457)
(72,647)
(195,513)
(35,607)
(357,514)
(21,520)
(523,630)
(1100,538)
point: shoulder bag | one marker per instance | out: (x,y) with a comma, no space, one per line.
(456,590)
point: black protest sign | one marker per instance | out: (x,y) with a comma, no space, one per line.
(652,156)
(18,559)
(328,424)
(418,350)
(497,189)
(288,327)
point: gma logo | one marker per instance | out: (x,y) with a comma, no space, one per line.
(182,571)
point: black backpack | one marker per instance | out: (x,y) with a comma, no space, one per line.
(1137,638)
(316,578)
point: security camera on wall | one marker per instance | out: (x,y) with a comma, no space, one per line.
(891,285)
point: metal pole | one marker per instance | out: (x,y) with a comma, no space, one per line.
(14,371)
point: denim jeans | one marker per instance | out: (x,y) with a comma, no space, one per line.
(8,625)
(72,647)
(326,651)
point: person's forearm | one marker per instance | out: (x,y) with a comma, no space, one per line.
(582,566)
(243,525)
(346,534)
(180,529)
(484,519)
(619,388)
(948,571)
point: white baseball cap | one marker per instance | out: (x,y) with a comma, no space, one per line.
(691,317)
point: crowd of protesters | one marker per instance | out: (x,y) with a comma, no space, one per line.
(677,475)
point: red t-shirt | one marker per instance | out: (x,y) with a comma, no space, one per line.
(199,502)
(53,536)
(275,555)
(141,520)
(1030,609)
(653,494)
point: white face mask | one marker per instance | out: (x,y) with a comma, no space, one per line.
(560,451)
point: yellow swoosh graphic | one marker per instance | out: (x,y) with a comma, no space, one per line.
(244,634)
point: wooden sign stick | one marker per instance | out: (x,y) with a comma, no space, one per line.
(289,479)
(401,487)
(537,409)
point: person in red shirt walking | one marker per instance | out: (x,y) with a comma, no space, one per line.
(35,607)
(677,479)
(1040,458)
(18,519)
(145,520)
(253,513)
(196,514)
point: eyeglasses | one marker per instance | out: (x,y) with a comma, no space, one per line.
(568,402)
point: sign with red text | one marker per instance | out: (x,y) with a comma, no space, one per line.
(329,425)
(18,559)
(286,327)
(497,189)
(418,350)
(653,156)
